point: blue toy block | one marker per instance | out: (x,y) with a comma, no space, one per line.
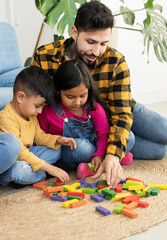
(60,199)
(96,198)
(103,210)
(93,185)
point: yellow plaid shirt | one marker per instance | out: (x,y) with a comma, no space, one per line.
(111,75)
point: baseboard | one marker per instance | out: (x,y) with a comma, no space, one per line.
(150,97)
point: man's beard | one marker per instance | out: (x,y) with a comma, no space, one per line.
(79,55)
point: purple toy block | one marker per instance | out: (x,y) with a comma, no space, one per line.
(82,180)
(61,199)
(96,198)
(93,185)
(122,181)
(103,210)
(101,195)
(86,185)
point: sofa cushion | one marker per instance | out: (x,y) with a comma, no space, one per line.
(7,79)
(9,51)
(6,95)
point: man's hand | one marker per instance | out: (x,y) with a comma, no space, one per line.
(113,170)
(65,141)
(56,172)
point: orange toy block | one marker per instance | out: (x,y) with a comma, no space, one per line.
(78,204)
(79,194)
(62,194)
(40,184)
(45,192)
(119,188)
(55,189)
(129,213)
(132,205)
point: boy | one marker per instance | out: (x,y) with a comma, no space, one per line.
(33,89)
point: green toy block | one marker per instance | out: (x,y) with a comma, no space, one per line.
(126,185)
(139,192)
(100,190)
(70,197)
(91,167)
(95,188)
(88,190)
(155,191)
(101,182)
(108,194)
(119,207)
(149,191)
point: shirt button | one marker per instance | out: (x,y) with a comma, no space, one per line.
(66,120)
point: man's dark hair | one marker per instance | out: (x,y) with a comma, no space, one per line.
(92,16)
(34,81)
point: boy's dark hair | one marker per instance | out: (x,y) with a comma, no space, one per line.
(92,16)
(71,74)
(34,81)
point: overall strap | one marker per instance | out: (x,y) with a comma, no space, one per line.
(58,109)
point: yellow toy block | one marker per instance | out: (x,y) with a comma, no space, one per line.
(136,187)
(78,190)
(75,185)
(120,196)
(134,182)
(161,186)
(67,203)
(69,188)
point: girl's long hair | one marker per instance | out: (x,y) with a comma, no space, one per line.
(71,74)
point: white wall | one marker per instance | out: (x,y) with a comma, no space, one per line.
(149,83)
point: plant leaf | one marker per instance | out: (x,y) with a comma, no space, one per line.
(149,4)
(45,6)
(128,15)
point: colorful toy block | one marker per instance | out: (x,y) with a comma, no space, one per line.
(78,204)
(155,191)
(62,194)
(119,188)
(103,210)
(55,189)
(161,186)
(136,187)
(102,182)
(79,194)
(148,192)
(60,199)
(88,190)
(122,181)
(67,203)
(75,185)
(142,203)
(40,185)
(133,179)
(59,182)
(83,185)
(126,185)
(119,208)
(129,213)
(91,167)
(96,198)
(139,192)
(69,197)
(101,186)
(100,190)
(108,194)
(133,182)
(120,196)
(82,180)
(132,205)
(93,185)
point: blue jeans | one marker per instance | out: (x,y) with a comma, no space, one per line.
(9,150)
(150,133)
(21,172)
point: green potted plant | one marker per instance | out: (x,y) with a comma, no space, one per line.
(153,27)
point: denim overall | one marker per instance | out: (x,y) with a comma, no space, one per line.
(84,135)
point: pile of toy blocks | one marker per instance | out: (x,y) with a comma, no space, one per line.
(73,195)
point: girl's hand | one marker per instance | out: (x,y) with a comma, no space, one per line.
(56,172)
(96,162)
(65,141)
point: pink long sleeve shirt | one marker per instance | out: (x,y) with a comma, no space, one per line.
(51,123)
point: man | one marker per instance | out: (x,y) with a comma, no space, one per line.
(90,36)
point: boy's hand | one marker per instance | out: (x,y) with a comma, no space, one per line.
(96,162)
(65,141)
(56,172)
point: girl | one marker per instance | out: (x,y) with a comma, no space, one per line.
(77,114)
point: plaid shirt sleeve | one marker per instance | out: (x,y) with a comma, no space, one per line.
(112,78)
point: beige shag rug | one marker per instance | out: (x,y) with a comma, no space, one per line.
(26,214)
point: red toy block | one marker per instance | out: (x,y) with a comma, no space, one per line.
(59,182)
(78,204)
(101,186)
(133,179)
(142,203)
(132,198)
(119,188)
(79,194)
